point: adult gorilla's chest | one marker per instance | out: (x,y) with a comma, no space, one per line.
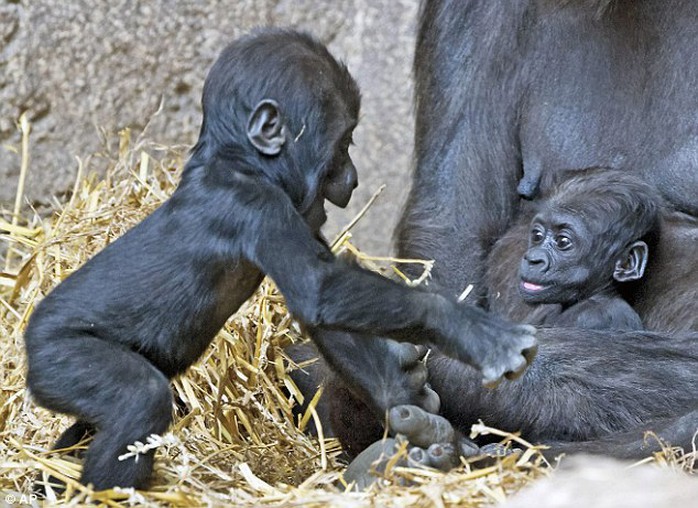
(595,93)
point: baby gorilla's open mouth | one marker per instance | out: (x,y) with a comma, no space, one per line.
(531,287)
(533,292)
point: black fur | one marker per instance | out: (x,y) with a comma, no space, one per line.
(279,112)
(505,93)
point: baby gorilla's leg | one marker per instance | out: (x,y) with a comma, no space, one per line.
(111,389)
(73,435)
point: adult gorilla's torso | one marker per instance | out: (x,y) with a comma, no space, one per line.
(508,94)
(619,90)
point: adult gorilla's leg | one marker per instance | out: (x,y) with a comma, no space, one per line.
(679,431)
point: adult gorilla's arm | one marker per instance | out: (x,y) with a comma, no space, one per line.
(582,387)
(675,431)
(581,395)
(466,145)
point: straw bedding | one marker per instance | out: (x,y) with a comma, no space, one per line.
(234,441)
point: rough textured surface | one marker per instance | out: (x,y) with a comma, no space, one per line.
(605,483)
(80,67)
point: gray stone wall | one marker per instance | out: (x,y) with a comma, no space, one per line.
(79,66)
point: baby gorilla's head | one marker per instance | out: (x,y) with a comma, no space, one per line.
(590,232)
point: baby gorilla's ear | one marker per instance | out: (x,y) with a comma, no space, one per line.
(265,128)
(631,264)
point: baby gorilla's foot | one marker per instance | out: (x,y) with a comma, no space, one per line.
(71,437)
(432,442)
(367,467)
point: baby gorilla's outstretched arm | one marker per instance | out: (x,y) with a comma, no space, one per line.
(324,292)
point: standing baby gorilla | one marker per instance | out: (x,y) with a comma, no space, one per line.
(279,112)
(588,237)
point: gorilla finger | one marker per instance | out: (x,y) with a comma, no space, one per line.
(467,448)
(491,377)
(495,450)
(430,400)
(421,428)
(407,419)
(530,353)
(418,376)
(517,370)
(422,351)
(410,355)
(527,342)
(526,330)
(417,457)
(442,456)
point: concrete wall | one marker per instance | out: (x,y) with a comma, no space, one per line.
(76,66)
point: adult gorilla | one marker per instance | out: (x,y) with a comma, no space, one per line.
(507,93)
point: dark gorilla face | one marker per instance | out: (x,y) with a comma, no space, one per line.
(560,265)
(339,181)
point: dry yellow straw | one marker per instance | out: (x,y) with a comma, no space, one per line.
(25,128)
(234,441)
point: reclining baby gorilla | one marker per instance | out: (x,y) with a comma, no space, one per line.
(279,112)
(589,239)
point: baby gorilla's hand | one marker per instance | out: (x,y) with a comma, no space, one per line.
(496,347)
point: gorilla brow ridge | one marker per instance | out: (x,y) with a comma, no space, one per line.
(614,204)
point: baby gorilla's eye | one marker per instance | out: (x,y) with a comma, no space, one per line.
(537,236)
(563,242)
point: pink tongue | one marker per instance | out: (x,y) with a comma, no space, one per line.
(530,286)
